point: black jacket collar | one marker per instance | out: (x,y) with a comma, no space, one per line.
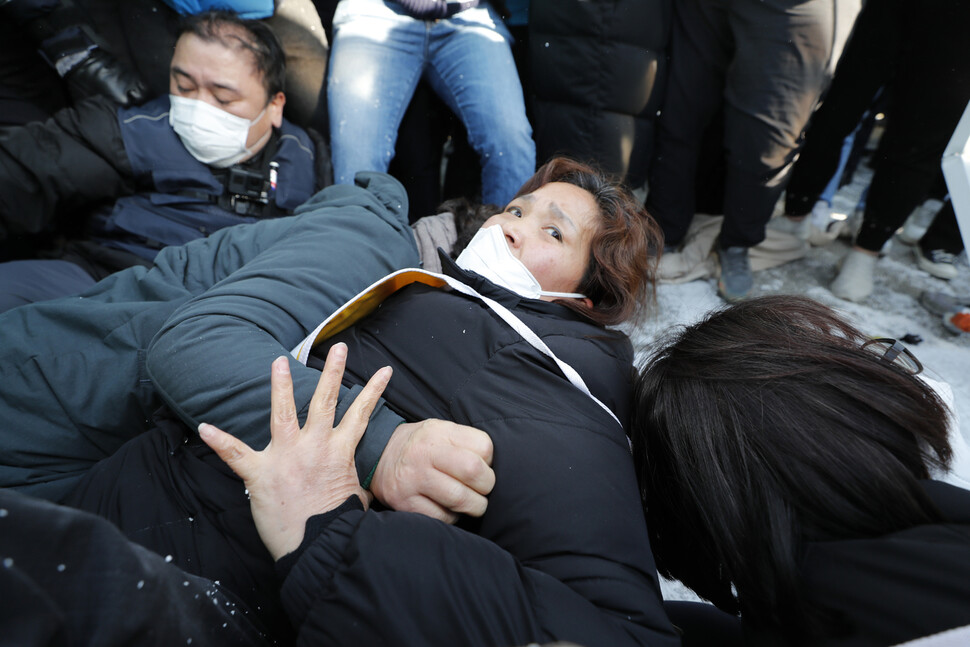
(952,501)
(505,296)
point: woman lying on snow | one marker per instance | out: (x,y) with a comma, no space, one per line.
(559,552)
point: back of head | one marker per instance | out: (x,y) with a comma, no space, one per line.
(768,425)
(621,272)
(250,36)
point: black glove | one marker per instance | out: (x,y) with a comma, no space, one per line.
(100,73)
(87,69)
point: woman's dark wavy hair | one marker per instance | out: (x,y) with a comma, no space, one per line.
(253,36)
(764,427)
(621,273)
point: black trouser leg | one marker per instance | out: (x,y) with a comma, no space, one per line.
(944,233)
(931,92)
(780,67)
(700,50)
(866,65)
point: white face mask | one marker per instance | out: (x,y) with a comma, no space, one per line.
(488,254)
(213,136)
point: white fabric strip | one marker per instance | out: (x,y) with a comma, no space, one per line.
(302,351)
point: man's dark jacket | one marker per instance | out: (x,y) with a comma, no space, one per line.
(120,179)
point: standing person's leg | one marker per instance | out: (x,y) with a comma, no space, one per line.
(419,150)
(780,68)
(937,250)
(472,69)
(931,90)
(944,232)
(867,64)
(700,51)
(376,60)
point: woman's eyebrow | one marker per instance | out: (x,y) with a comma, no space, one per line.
(561,215)
(556,210)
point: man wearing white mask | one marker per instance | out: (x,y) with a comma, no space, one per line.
(121,184)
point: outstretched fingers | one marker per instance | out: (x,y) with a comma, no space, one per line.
(323,404)
(354,422)
(239,456)
(284,424)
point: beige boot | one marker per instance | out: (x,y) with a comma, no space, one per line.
(855,280)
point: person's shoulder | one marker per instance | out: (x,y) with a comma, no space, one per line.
(155,110)
(301,139)
(94,113)
(571,328)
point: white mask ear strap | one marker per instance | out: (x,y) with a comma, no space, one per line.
(259,142)
(252,122)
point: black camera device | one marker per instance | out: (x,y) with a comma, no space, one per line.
(248,191)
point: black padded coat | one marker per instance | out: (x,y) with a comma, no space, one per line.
(598,70)
(561,553)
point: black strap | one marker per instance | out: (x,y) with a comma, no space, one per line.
(246,187)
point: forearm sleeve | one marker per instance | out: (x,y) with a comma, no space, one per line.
(211,360)
(395,578)
(61,167)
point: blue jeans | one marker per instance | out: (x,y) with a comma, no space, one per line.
(828,193)
(378,56)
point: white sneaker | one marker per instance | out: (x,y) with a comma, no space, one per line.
(937,262)
(855,279)
(824,226)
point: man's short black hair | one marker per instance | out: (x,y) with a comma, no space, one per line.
(251,35)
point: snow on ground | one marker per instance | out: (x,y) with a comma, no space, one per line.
(893,310)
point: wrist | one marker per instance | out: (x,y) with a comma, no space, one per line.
(369,479)
(314,527)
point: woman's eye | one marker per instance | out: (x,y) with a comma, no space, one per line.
(555,233)
(515,211)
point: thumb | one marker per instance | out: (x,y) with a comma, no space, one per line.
(235,453)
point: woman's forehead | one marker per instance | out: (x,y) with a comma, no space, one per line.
(562,200)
